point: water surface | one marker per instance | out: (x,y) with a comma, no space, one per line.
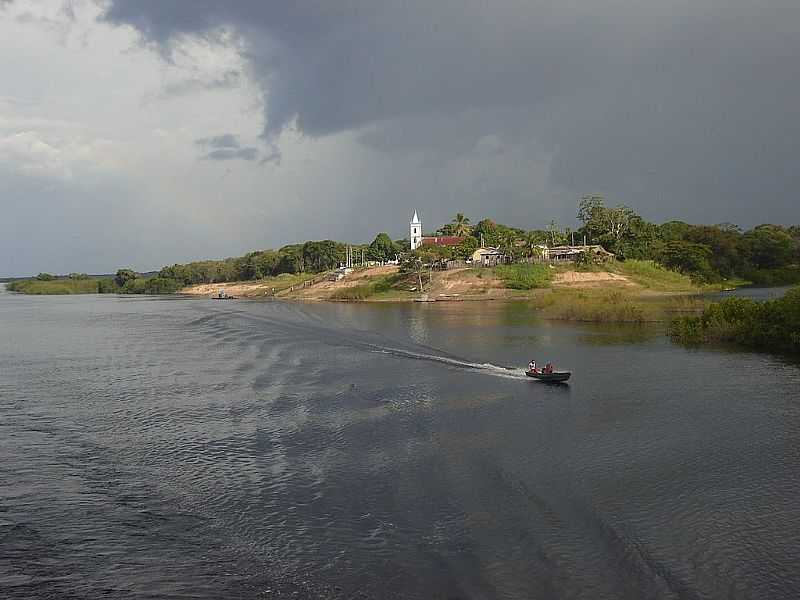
(175,448)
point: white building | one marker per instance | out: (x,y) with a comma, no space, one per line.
(416,232)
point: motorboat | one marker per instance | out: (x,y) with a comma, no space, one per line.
(553,377)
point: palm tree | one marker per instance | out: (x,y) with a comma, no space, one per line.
(508,240)
(530,249)
(461,226)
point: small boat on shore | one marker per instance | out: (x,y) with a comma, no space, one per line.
(221,295)
(554,377)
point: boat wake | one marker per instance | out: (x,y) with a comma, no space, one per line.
(322,331)
(486,368)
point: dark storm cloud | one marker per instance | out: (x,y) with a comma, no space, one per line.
(226,147)
(679,108)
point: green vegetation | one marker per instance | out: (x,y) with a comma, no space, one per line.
(614,305)
(772,325)
(384,286)
(774,277)
(596,306)
(524,276)
(706,253)
(673,256)
(53,287)
(383,248)
(651,275)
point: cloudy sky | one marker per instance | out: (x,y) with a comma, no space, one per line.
(144,132)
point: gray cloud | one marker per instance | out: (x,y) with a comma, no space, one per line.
(229,79)
(508,109)
(671,107)
(233,154)
(226,147)
(226,140)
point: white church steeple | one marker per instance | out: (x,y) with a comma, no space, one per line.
(416,232)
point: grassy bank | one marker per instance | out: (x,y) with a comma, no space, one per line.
(614,305)
(772,325)
(653,276)
(55,287)
(379,288)
(524,276)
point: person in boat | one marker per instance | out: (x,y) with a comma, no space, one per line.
(532,366)
(548,368)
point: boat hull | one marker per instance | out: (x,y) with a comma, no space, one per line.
(554,377)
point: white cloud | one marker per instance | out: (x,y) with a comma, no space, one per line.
(26,153)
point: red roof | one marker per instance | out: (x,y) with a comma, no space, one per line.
(444,240)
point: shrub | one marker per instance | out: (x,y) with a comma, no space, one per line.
(774,324)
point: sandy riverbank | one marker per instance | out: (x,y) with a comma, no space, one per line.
(457,284)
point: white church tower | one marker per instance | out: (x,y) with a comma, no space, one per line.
(416,232)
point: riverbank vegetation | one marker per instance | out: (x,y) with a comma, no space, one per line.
(771,325)
(673,256)
(54,287)
(653,276)
(524,276)
(383,286)
(614,305)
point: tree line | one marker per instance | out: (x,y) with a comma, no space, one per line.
(766,254)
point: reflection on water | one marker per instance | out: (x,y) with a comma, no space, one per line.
(621,334)
(180,448)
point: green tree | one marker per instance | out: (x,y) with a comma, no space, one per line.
(690,258)
(418,263)
(382,248)
(487,230)
(727,257)
(466,248)
(533,242)
(508,243)
(290,262)
(769,246)
(673,231)
(461,226)
(619,230)
(323,255)
(45,277)
(123,276)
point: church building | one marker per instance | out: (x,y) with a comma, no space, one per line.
(417,239)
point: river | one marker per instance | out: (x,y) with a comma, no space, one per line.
(185,448)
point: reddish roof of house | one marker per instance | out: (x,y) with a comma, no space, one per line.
(444,240)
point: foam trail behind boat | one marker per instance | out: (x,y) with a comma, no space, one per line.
(488,368)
